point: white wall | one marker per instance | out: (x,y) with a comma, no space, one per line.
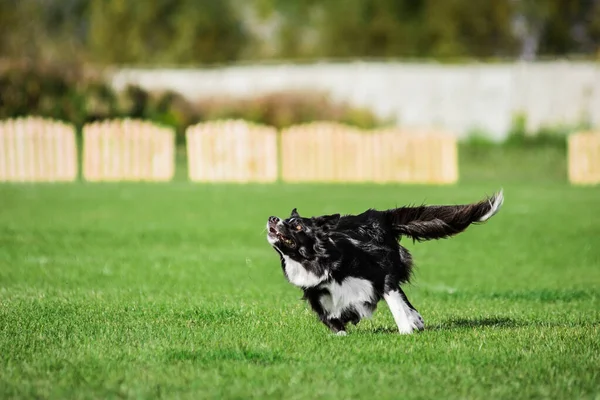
(458,97)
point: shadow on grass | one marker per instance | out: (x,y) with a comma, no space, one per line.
(454,324)
(537,296)
(497,322)
(505,323)
(380,330)
(467,323)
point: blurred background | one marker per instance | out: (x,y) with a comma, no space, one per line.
(492,73)
(150,290)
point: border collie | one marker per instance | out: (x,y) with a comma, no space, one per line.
(346,264)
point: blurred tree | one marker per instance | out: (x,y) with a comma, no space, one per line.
(343,28)
(557,27)
(8,21)
(43,29)
(572,26)
(464,28)
(213,31)
(370,28)
(293,24)
(529,22)
(402,28)
(165,31)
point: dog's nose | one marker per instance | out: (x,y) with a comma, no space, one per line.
(273,220)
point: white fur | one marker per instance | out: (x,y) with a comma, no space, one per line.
(300,276)
(295,271)
(355,242)
(352,292)
(271,240)
(495,207)
(406,318)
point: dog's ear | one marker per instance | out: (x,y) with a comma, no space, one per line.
(294,214)
(326,220)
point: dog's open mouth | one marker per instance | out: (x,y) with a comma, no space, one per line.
(274,233)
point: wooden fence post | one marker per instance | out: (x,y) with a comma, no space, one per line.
(35,149)
(232,151)
(583,153)
(330,152)
(128,150)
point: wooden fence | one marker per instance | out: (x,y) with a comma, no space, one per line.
(128,150)
(584,158)
(231,151)
(35,149)
(330,152)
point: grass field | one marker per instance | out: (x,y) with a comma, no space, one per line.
(171,290)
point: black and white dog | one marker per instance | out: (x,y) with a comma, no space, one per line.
(346,264)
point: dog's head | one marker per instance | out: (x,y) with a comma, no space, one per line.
(299,237)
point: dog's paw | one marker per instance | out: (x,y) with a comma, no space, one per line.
(416,321)
(341,333)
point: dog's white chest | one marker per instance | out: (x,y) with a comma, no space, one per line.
(351,293)
(300,276)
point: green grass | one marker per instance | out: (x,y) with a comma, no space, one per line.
(171,290)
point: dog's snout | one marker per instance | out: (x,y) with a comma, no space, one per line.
(273,220)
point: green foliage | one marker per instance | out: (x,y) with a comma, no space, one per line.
(215,31)
(423,28)
(478,138)
(64,93)
(520,137)
(167,31)
(42,90)
(546,136)
(523,155)
(480,30)
(565,26)
(43,30)
(171,291)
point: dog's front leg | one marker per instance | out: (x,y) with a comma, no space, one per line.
(334,324)
(407,318)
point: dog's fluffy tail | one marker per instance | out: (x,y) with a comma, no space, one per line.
(439,222)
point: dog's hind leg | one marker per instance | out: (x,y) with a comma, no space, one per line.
(407,318)
(334,324)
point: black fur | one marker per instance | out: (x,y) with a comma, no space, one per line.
(346,264)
